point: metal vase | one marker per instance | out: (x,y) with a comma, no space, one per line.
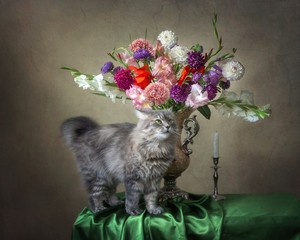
(182,152)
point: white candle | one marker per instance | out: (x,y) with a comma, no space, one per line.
(216,145)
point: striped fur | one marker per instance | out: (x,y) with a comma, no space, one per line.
(138,155)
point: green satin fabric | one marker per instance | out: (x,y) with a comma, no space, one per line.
(201,217)
(264,216)
(183,219)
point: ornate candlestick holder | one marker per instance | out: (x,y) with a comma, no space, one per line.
(216,194)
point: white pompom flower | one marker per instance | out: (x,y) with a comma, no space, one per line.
(233,70)
(179,54)
(168,39)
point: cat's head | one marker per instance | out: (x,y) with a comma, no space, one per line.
(157,125)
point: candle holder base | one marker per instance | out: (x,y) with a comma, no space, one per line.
(218,197)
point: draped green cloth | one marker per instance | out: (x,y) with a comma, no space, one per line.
(269,216)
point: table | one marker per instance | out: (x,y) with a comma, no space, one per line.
(239,217)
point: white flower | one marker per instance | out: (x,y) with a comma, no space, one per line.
(179,54)
(196,98)
(233,70)
(230,95)
(100,84)
(247,97)
(251,116)
(168,39)
(230,108)
(83,82)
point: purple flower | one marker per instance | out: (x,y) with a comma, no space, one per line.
(213,76)
(123,79)
(118,68)
(225,85)
(196,77)
(180,93)
(107,67)
(211,91)
(195,59)
(217,68)
(141,54)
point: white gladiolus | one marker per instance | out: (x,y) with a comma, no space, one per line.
(100,84)
(83,82)
(247,97)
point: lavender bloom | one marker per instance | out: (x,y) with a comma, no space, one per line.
(107,67)
(196,77)
(180,93)
(217,68)
(211,91)
(142,54)
(195,59)
(213,77)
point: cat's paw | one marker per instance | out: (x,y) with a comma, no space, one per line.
(134,211)
(155,211)
(98,209)
(116,202)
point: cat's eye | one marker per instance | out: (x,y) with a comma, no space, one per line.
(158,121)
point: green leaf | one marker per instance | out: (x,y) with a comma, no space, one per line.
(197,48)
(205,111)
(70,69)
(75,74)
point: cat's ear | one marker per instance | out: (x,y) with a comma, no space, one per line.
(141,114)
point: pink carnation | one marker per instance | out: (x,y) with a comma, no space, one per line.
(196,98)
(141,43)
(157,93)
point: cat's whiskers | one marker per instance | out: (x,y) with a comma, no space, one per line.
(175,132)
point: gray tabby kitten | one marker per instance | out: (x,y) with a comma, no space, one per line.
(136,154)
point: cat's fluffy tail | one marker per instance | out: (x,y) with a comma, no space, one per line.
(75,127)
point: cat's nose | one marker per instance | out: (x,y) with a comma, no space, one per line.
(167,127)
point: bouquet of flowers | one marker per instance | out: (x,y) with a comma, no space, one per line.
(168,75)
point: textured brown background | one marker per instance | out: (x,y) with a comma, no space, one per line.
(41,193)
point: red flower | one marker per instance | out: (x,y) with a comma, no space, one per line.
(143,76)
(185,72)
